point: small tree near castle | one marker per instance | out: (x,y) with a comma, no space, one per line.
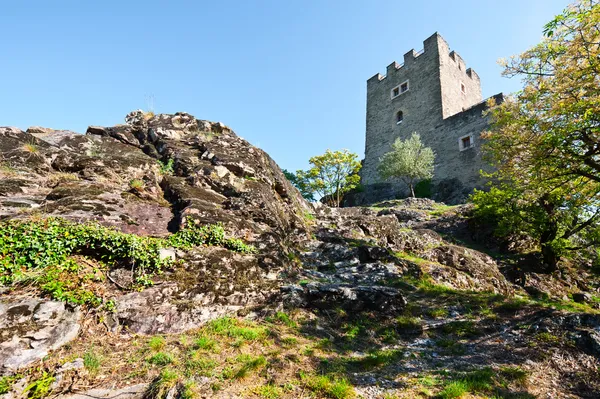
(409,161)
(331,176)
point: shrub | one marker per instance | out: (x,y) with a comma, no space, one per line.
(423,189)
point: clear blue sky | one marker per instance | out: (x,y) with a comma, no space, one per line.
(287,75)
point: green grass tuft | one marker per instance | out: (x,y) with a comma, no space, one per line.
(327,386)
(161,359)
(91,361)
(156,343)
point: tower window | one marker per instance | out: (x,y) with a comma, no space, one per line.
(463,88)
(399,117)
(465,142)
(401,88)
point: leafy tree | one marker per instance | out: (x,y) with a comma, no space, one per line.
(300,184)
(331,176)
(545,140)
(408,161)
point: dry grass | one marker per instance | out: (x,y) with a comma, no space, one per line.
(61,177)
(6,170)
(31,148)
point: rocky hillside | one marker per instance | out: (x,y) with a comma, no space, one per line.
(168,257)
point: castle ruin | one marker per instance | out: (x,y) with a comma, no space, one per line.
(434,94)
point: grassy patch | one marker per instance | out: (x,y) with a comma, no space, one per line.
(161,359)
(487,381)
(31,148)
(441,209)
(328,387)
(547,338)
(514,374)
(438,313)
(248,363)
(205,343)
(450,346)
(411,258)
(166,380)
(461,329)
(408,324)
(268,391)
(156,343)
(233,328)
(137,185)
(283,318)
(91,361)
(198,364)
(476,381)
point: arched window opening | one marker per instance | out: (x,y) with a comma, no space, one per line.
(399,117)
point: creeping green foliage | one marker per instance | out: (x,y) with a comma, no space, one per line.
(41,387)
(166,168)
(44,252)
(6,383)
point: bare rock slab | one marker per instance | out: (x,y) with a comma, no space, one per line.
(130,392)
(31,327)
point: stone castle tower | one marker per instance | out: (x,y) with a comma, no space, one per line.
(434,94)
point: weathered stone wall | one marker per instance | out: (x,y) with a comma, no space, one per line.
(450,161)
(443,104)
(421,105)
(453,74)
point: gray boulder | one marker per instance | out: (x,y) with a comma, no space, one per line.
(31,327)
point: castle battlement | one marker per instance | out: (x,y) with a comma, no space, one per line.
(434,45)
(434,94)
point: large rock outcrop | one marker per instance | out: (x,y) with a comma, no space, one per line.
(206,173)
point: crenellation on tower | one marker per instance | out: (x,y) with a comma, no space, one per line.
(410,57)
(472,74)
(375,79)
(392,68)
(426,94)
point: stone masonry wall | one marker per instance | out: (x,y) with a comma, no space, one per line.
(443,104)
(421,104)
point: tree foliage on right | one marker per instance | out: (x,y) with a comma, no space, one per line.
(409,161)
(545,141)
